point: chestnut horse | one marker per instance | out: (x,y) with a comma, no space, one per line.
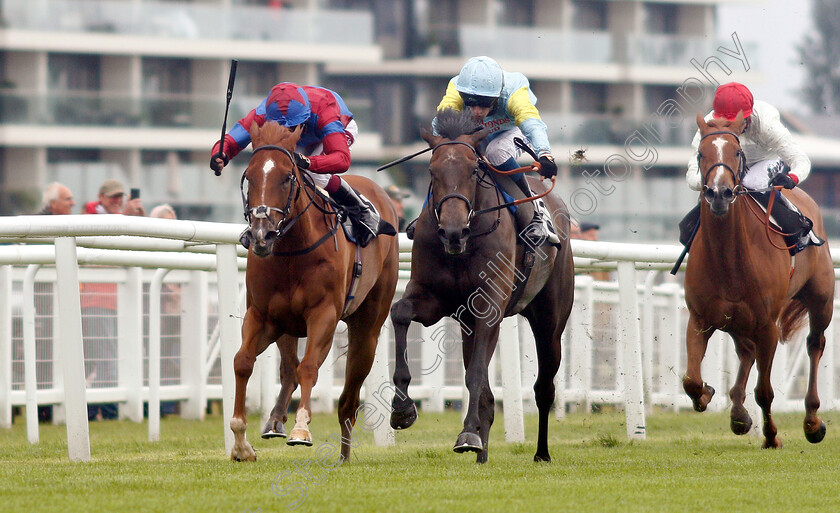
(299,279)
(462,265)
(739,280)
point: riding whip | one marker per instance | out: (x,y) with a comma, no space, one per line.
(231,79)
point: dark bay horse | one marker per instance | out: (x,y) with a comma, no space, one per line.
(299,279)
(739,280)
(462,265)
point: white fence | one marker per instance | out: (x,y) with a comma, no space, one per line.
(624,343)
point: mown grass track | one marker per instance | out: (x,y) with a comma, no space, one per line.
(689,463)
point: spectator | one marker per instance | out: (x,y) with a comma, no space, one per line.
(58,200)
(397,196)
(99,307)
(112,201)
(589,231)
(164,211)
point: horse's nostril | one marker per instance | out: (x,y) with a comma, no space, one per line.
(441,233)
(465,233)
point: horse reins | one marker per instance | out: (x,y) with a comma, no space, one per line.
(740,190)
(486,165)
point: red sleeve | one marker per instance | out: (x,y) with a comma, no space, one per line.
(336,156)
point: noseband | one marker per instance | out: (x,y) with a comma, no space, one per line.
(437,205)
(264,211)
(736,175)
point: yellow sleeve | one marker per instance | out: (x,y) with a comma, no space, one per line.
(452,98)
(519,106)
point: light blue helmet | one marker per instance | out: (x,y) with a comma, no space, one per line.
(481,76)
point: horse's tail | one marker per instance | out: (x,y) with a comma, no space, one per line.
(792,318)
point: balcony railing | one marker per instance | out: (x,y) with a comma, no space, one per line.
(611,130)
(185,20)
(671,50)
(111,109)
(536,43)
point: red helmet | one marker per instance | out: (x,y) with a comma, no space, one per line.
(730,99)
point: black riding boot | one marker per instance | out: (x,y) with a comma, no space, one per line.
(538,230)
(793,223)
(368,218)
(688,225)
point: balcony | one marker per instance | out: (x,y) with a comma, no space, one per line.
(671,50)
(103,109)
(609,130)
(536,44)
(190,21)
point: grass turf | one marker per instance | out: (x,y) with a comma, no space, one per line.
(689,462)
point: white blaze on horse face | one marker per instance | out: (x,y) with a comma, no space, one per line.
(268,166)
(719,143)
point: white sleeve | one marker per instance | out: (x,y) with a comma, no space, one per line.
(693,176)
(774,136)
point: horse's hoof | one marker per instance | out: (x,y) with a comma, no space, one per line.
(243,453)
(775,444)
(468,442)
(817,436)
(404,418)
(542,458)
(481,457)
(274,429)
(300,436)
(700,406)
(739,420)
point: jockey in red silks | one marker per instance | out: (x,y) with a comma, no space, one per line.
(324,147)
(772,158)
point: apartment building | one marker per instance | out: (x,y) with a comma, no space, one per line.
(135,89)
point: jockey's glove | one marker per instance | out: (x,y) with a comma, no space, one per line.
(785,180)
(215,165)
(302,161)
(547,166)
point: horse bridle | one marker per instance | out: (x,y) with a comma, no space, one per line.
(436,206)
(736,175)
(264,211)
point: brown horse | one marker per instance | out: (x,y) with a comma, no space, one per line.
(739,281)
(300,282)
(462,265)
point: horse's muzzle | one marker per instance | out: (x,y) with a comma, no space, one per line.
(719,199)
(262,241)
(454,239)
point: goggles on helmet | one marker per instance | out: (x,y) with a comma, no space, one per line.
(474,100)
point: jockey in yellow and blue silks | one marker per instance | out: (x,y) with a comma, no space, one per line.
(503,102)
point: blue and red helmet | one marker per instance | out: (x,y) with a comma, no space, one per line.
(288,105)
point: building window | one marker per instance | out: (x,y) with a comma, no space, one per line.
(515,13)
(661,18)
(162,75)
(589,15)
(256,78)
(70,72)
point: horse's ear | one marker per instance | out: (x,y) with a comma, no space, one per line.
(429,137)
(254,131)
(701,121)
(738,122)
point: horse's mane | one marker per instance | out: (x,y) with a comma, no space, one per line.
(273,132)
(452,123)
